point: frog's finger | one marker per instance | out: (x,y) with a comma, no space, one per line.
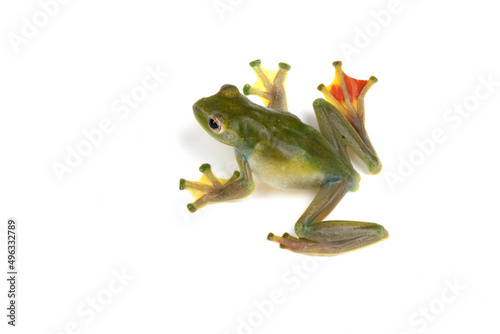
(285,235)
(197,189)
(249,90)
(281,75)
(234,177)
(207,171)
(198,204)
(288,236)
(185,184)
(262,75)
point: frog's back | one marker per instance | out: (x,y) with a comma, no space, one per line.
(290,154)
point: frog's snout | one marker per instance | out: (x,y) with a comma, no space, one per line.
(198,112)
(197,107)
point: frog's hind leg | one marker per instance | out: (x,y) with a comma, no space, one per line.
(317,237)
(344,113)
(271,85)
(339,132)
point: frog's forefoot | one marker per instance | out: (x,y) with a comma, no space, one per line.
(348,96)
(207,189)
(271,85)
(211,189)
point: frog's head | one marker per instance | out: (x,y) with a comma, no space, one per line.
(222,115)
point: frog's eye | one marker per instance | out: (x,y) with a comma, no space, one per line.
(229,91)
(214,124)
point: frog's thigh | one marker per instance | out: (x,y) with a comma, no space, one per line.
(319,237)
(339,132)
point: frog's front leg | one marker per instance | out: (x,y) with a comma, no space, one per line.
(317,237)
(273,83)
(210,189)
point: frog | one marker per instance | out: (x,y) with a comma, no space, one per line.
(286,153)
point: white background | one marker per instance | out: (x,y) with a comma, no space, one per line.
(120,209)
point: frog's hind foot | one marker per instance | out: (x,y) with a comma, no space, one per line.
(271,85)
(346,97)
(335,247)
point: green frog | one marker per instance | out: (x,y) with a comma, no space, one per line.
(286,153)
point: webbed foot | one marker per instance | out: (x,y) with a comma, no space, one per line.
(348,95)
(211,189)
(332,238)
(347,98)
(207,189)
(271,85)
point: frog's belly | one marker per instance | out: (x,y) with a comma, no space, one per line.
(289,174)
